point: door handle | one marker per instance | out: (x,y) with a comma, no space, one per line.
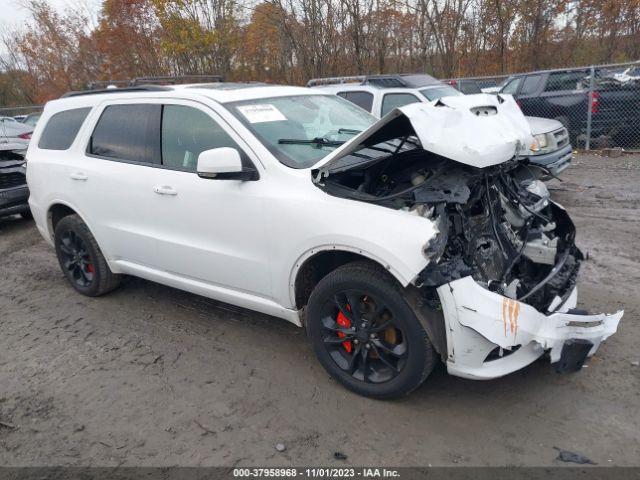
(79,176)
(165,190)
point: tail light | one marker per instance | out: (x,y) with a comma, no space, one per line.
(595,102)
(452,83)
(25,136)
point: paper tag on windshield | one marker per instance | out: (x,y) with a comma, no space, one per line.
(261,113)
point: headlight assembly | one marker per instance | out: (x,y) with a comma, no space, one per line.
(541,140)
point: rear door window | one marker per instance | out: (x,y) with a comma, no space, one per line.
(62,128)
(128,132)
(395,100)
(360,98)
(186,132)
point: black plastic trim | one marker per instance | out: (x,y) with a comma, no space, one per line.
(141,88)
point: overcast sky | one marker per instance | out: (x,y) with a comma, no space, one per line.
(13,15)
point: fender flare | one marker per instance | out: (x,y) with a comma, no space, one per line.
(402,279)
(51,232)
(50,229)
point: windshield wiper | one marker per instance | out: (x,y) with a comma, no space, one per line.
(319,141)
(349,131)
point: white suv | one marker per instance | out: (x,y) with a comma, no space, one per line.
(396,242)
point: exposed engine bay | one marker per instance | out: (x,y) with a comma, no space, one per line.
(496,223)
(499,286)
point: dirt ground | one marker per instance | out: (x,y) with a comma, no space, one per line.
(150,375)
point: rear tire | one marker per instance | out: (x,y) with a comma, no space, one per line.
(365,334)
(81,260)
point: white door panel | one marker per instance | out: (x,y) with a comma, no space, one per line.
(117,194)
(213,230)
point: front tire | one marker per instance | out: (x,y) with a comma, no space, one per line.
(365,334)
(81,260)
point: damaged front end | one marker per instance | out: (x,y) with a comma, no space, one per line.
(503,268)
(505,233)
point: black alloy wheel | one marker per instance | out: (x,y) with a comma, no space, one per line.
(365,334)
(362,337)
(81,259)
(75,259)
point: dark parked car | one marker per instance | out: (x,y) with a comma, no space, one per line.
(465,86)
(32,119)
(14,193)
(564,96)
(476,85)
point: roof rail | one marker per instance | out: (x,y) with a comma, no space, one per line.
(104,84)
(316,82)
(173,80)
(385,80)
(395,80)
(141,88)
(166,80)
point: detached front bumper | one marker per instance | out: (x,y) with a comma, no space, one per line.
(489,335)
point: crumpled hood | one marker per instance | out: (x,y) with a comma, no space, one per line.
(477,130)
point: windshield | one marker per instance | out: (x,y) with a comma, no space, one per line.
(439,92)
(301,130)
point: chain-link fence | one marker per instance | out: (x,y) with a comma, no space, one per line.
(599,105)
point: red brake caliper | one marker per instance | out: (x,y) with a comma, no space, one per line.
(344,322)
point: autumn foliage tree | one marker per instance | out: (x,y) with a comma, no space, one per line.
(290,41)
(56,50)
(128,40)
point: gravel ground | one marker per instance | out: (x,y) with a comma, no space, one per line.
(150,375)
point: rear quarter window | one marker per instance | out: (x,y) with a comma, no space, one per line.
(62,128)
(360,98)
(512,86)
(530,85)
(395,100)
(573,80)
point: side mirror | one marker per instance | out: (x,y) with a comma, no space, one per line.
(223,163)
